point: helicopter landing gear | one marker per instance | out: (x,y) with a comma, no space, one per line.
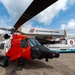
(20,62)
(4,62)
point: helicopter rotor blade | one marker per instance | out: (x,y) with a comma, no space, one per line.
(12,30)
(5,29)
(35,7)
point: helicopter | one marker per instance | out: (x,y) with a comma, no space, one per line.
(19,47)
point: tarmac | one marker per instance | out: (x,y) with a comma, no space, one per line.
(64,65)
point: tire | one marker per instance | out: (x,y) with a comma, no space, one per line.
(5,62)
(20,62)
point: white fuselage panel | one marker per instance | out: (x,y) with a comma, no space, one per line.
(4,47)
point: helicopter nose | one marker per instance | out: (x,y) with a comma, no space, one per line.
(55,54)
(40,52)
(48,54)
(52,54)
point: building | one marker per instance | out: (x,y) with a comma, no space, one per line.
(40,32)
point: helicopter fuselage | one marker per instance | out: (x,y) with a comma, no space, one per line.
(19,48)
(22,46)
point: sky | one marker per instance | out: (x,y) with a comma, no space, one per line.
(59,16)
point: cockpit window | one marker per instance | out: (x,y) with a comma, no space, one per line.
(33,42)
(1,45)
(23,43)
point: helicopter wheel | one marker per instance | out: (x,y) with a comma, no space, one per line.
(20,62)
(4,62)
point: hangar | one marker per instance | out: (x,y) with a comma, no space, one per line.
(42,32)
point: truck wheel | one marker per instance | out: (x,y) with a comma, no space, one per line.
(5,62)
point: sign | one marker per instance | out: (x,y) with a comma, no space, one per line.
(42,31)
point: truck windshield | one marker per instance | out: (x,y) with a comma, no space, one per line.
(33,42)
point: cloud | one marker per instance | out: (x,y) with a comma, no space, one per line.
(47,15)
(69,27)
(72,1)
(5,22)
(16,9)
(63,27)
(28,25)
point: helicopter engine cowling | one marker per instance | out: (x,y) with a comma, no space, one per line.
(5,36)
